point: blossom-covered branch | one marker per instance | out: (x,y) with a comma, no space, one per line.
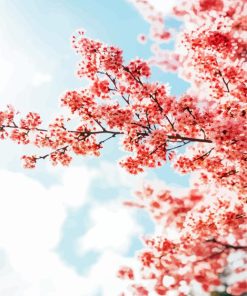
(120,100)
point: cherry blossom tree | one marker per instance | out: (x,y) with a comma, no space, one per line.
(202,132)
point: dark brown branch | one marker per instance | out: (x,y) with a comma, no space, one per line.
(202,130)
(226,245)
(99,124)
(14,126)
(157,148)
(103,141)
(231,172)
(169,149)
(204,155)
(211,256)
(153,97)
(225,248)
(189,139)
(173,148)
(62,149)
(113,80)
(140,125)
(171,137)
(224,81)
(161,110)
(149,126)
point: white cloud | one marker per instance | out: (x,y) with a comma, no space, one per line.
(31,220)
(105,272)
(76,182)
(163,6)
(160,6)
(26,207)
(112,228)
(31,216)
(41,78)
(60,280)
(15,70)
(116,176)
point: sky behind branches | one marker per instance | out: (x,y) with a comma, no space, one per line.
(60,228)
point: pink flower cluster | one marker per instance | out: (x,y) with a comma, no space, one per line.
(201,245)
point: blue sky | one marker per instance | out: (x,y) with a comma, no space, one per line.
(37,65)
